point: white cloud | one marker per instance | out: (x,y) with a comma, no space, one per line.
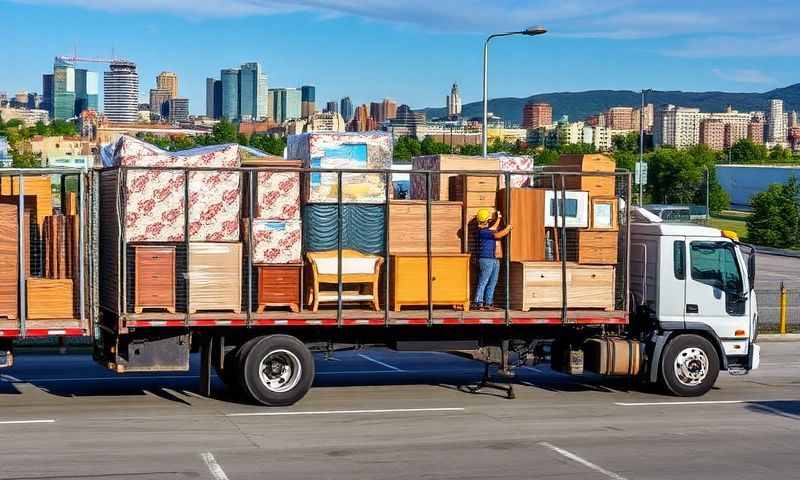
(742,76)
(739,46)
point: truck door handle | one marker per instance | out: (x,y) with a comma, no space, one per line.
(692,308)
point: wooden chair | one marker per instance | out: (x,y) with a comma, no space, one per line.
(357,267)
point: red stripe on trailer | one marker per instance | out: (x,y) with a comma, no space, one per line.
(217,323)
(363,321)
(9,332)
(44,332)
(155,323)
(537,321)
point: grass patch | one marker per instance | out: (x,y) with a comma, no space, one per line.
(735,224)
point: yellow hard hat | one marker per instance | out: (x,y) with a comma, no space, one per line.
(483,215)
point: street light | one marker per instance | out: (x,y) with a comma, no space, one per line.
(530,31)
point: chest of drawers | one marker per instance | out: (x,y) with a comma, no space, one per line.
(155,278)
(539,285)
(279,286)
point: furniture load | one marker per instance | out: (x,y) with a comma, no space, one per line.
(409,226)
(449,276)
(526,215)
(357,268)
(362,227)
(155,278)
(39,187)
(596,185)
(215,277)
(476,192)
(50,299)
(9,256)
(279,286)
(597,247)
(539,285)
(440,182)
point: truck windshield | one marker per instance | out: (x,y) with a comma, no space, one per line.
(714,263)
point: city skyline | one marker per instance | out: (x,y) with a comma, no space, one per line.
(670,48)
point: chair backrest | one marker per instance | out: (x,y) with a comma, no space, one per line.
(353,262)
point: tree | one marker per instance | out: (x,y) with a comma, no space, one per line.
(778,154)
(225,132)
(679,176)
(405,148)
(745,151)
(628,142)
(471,149)
(431,147)
(24,160)
(268,144)
(776,216)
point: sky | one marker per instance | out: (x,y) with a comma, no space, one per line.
(413,50)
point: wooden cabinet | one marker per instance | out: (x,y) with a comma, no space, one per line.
(408,226)
(50,299)
(526,216)
(215,277)
(597,247)
(539,285)
(596,185)
(440,182)
(155,278)
(279,286)
(449,280)
(9,274)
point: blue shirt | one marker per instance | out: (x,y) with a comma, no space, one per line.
(486,243)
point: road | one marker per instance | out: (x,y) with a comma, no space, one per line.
(771,270)
(380,414)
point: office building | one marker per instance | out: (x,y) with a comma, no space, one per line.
(230,93)
(712,133)
(286,104)
(317,122)
(678,127)
(34,101)
(535,115)
(375,111)
(619,118)
(388,110)
(252,92)
(86,91)
(346,109)
(408,123)
(210,97)
(169,82)
(178,109)
(121,92)
(63,90)
(47,92)
(755,131)
(792,121)
(27,116)
(776,122)
(362,120)
(453,103)
(332,107)
(308,100)
(158,102)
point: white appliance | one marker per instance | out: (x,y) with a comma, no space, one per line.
(575,208)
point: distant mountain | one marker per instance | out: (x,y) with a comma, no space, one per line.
(579,105)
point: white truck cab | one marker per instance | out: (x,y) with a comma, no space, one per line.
(692,296)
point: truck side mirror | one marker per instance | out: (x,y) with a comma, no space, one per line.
(751,270)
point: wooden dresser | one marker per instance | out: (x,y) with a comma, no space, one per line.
(408,226)
(449,280)
(155,278)
(538,285)
(597,247)
(215,277)
(50,299)
(9,275)
(279,286)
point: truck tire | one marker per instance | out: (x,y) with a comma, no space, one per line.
(689,366)
(278,370)
(240,387)
(229,371)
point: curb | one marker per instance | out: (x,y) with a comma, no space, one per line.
(778,252)
(777,337)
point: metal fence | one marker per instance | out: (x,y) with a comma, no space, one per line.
(770,306)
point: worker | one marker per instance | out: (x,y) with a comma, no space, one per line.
(489,266)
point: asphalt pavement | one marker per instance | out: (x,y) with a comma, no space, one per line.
(380,414)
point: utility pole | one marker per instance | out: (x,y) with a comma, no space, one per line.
(641,151)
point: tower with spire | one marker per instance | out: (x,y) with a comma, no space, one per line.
(454,103)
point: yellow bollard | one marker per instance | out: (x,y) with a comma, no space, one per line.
(784,308)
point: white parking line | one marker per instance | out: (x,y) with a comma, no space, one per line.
(216,470)
(367,357)
(689,402)
(582,461)
(345,412)
(18,422)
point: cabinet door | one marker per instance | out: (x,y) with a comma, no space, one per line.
(450,282)
(410,275)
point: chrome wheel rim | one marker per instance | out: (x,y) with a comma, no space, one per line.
(280,371)
(691,366)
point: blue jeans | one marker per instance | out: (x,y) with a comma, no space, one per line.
(487,280)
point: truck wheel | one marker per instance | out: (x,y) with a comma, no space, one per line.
(278,370)
(229,371)
(240,387)
(689,366)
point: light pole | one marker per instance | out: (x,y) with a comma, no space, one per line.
(530,31)
(708,179)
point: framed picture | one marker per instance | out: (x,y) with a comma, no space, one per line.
(604,213)
(575,208)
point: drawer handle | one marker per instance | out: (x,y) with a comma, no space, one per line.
(594,275)
(541,275)
(155,257)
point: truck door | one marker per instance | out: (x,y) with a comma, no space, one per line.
(716,294)
(672,282)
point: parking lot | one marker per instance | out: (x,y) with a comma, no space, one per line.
(381,414)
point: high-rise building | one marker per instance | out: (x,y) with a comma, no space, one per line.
(308,100)
(210,97)
(619,118)
(178,109)
(332,107)
(678,127)
(121,92)
(86,90)
(712,133)
(159,98)
(388,110)
(375,111)
(454,103)
(63,90)
(230,93)
(648,118)
(252,92)
(168,81)
(408,123)
(535,115)
(793,121)
(776,124)
(755,131)
(346,109)
(362,121)
(286,104)
(217,99)
(47,93)
(34,101)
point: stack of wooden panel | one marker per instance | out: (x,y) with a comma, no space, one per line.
(8,261)
(52,297)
